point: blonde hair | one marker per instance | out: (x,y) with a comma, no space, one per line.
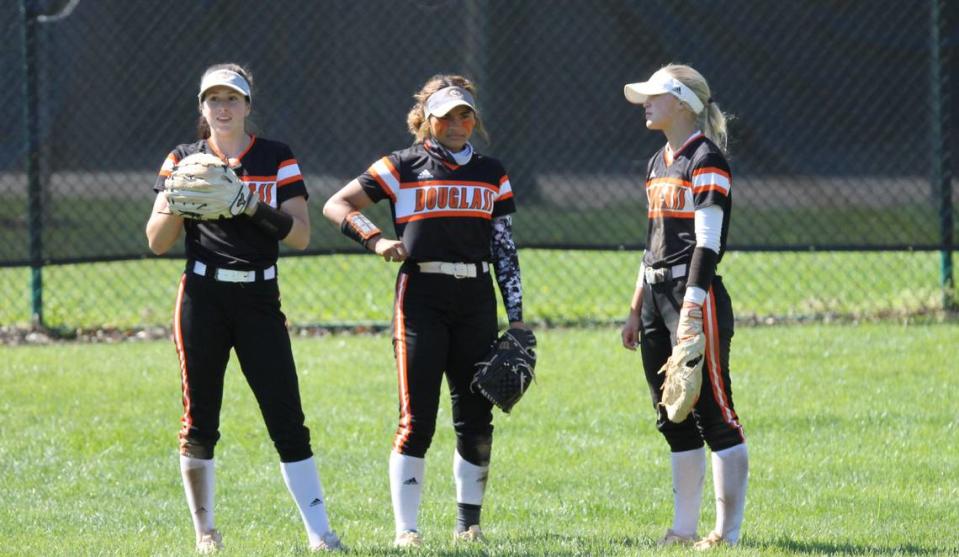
(416,120)
(711,120)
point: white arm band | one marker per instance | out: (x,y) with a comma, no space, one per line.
(709,227)
(695,295)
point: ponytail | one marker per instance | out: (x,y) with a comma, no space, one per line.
(711,120)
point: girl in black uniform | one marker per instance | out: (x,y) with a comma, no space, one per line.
(451,208)
(679,295)
(229,298)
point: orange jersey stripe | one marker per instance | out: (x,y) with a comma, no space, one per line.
(384,187)
(671,214)
(429,183)
(290,180)
(702,189)
(443,214)
(668,181)
(711,170)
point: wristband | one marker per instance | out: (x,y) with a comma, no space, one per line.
(359,228)
(274,222)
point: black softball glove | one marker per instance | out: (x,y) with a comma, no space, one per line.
(507,371)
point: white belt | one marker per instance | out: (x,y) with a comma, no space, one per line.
(230,275)
(458,270)
(656,276)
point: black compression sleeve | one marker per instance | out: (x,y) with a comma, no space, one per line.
(702,268)
(274,222)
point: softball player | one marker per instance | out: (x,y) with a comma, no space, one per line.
(229,298)
(451,208)
(678,294)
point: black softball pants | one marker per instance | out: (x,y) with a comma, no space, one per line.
(713,419)
(442,324)
(211,317)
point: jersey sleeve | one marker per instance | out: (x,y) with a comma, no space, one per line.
(289,178)
(712,180)
(382,179)
(166,169)
(503,203)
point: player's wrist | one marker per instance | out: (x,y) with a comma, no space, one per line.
(694,295)
(370,243)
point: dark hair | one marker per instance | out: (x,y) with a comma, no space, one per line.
(202,126)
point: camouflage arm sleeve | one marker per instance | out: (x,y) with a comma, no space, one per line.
(506,263)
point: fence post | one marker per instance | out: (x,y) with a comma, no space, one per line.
(941,145)
(32,145)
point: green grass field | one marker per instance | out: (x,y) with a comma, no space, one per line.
(851,433)
(560,287)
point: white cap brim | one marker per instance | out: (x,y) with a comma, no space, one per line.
(660,83)
(637,93)
(224,78)
(441,102)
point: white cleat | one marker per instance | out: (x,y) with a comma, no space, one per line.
(713,540)
(211,542)
(672,538)
(471,534)
(408,539)
(328,542)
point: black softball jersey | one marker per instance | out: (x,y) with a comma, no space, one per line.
(266,167)
(441,210)
(695,176)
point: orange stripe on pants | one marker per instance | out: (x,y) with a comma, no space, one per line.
(399,326)
(714,363)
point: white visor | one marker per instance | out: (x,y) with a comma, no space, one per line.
(441,102)
(226,78)
(659,83)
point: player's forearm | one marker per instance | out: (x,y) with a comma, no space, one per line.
(349,199)
(299,236)
(163,228)
(163,232)
(636,302)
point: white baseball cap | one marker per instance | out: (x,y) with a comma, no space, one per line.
(659,83)
(226,78)
(441,102)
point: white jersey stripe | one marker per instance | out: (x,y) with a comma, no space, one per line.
(382,170)
(711,180)
(505,189)
(288,173)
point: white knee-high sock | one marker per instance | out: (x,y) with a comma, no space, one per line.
(470,480)
(730,477)
(407,475)
(199,481)
(303,481)
(689,474)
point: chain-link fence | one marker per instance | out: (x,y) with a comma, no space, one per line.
(839,142)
